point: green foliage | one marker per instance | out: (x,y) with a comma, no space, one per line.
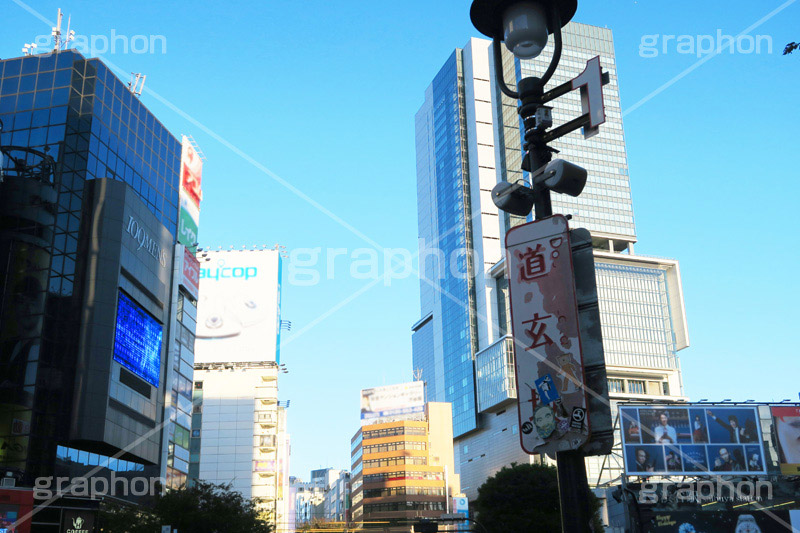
(791,47)
(523,498)
(202,508)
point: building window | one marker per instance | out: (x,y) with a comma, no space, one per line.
(665,387)
(635,386)
(616,385)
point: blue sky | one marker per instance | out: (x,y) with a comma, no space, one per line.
(321,99)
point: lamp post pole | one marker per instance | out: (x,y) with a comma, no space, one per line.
(524,26)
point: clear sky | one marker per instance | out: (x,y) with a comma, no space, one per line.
(305,111)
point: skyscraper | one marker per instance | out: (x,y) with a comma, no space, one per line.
(89,196)
(468,138)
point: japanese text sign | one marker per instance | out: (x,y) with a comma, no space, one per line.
(544,315)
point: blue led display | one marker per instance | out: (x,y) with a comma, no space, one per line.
(137,343)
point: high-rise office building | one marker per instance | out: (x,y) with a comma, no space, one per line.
(238,419)
(468,138)
(89,205)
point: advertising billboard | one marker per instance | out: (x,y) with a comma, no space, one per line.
(544,317)
(191,172)
(724,522)
(137,341)
(692,440)
(191,194)
(786,424)
(191,273)
(405,401)
(238,308)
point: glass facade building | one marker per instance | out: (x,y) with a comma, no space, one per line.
(75,113)
(445,225)
(641,301)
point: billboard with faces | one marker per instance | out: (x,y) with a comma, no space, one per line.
(692,440)
(786,428)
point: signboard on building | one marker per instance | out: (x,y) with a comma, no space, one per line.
(191,273)
(405,401)
(544,317)
(77,521)
(692,440)
(238,308)
(786,425)
(770,521)
(16,509)
(191,194)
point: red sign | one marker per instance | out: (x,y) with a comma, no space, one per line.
(191,173)
(547,344)
(16,509)
(191,272)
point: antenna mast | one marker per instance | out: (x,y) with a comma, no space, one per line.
(133,85)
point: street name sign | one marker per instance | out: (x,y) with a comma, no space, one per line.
(547,340)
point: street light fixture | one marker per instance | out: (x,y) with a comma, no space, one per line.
(524,26)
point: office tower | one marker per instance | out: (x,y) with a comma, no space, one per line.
(402,464)
(468,138)
(90,202)
(238,419)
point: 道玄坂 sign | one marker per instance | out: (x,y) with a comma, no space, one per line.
(544,315)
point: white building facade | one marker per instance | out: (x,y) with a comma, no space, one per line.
(468,139)
(240,424)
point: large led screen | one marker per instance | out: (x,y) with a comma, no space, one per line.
(137,343)
(692,440)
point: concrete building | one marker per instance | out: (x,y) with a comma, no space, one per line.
(324,499)
(238,419)
(403,469)
(468,139)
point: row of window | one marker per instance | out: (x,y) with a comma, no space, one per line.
(394,446)
(375,463)
(402,491)
(403,506)
(391,432)
(72,455)
(638,386)
(396,476)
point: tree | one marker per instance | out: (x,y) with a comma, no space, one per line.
(523,498)
(202,508)
(791,47)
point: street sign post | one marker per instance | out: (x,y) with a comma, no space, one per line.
(547,339)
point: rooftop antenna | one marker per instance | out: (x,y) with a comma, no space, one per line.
(418,374)
(133,85)
(58,43)
(57,32)
(29,49)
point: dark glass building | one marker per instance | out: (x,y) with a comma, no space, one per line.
(88,213)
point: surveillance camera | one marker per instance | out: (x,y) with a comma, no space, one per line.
(514,198)
(564,177)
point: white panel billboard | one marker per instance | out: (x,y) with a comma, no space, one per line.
(238,311)
(405,401)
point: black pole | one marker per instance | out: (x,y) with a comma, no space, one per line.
(537,153)
(573,486)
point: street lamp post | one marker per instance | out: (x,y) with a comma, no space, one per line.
(524,26)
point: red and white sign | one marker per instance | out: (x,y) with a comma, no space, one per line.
(544,316)
(191,273)
(191,173)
